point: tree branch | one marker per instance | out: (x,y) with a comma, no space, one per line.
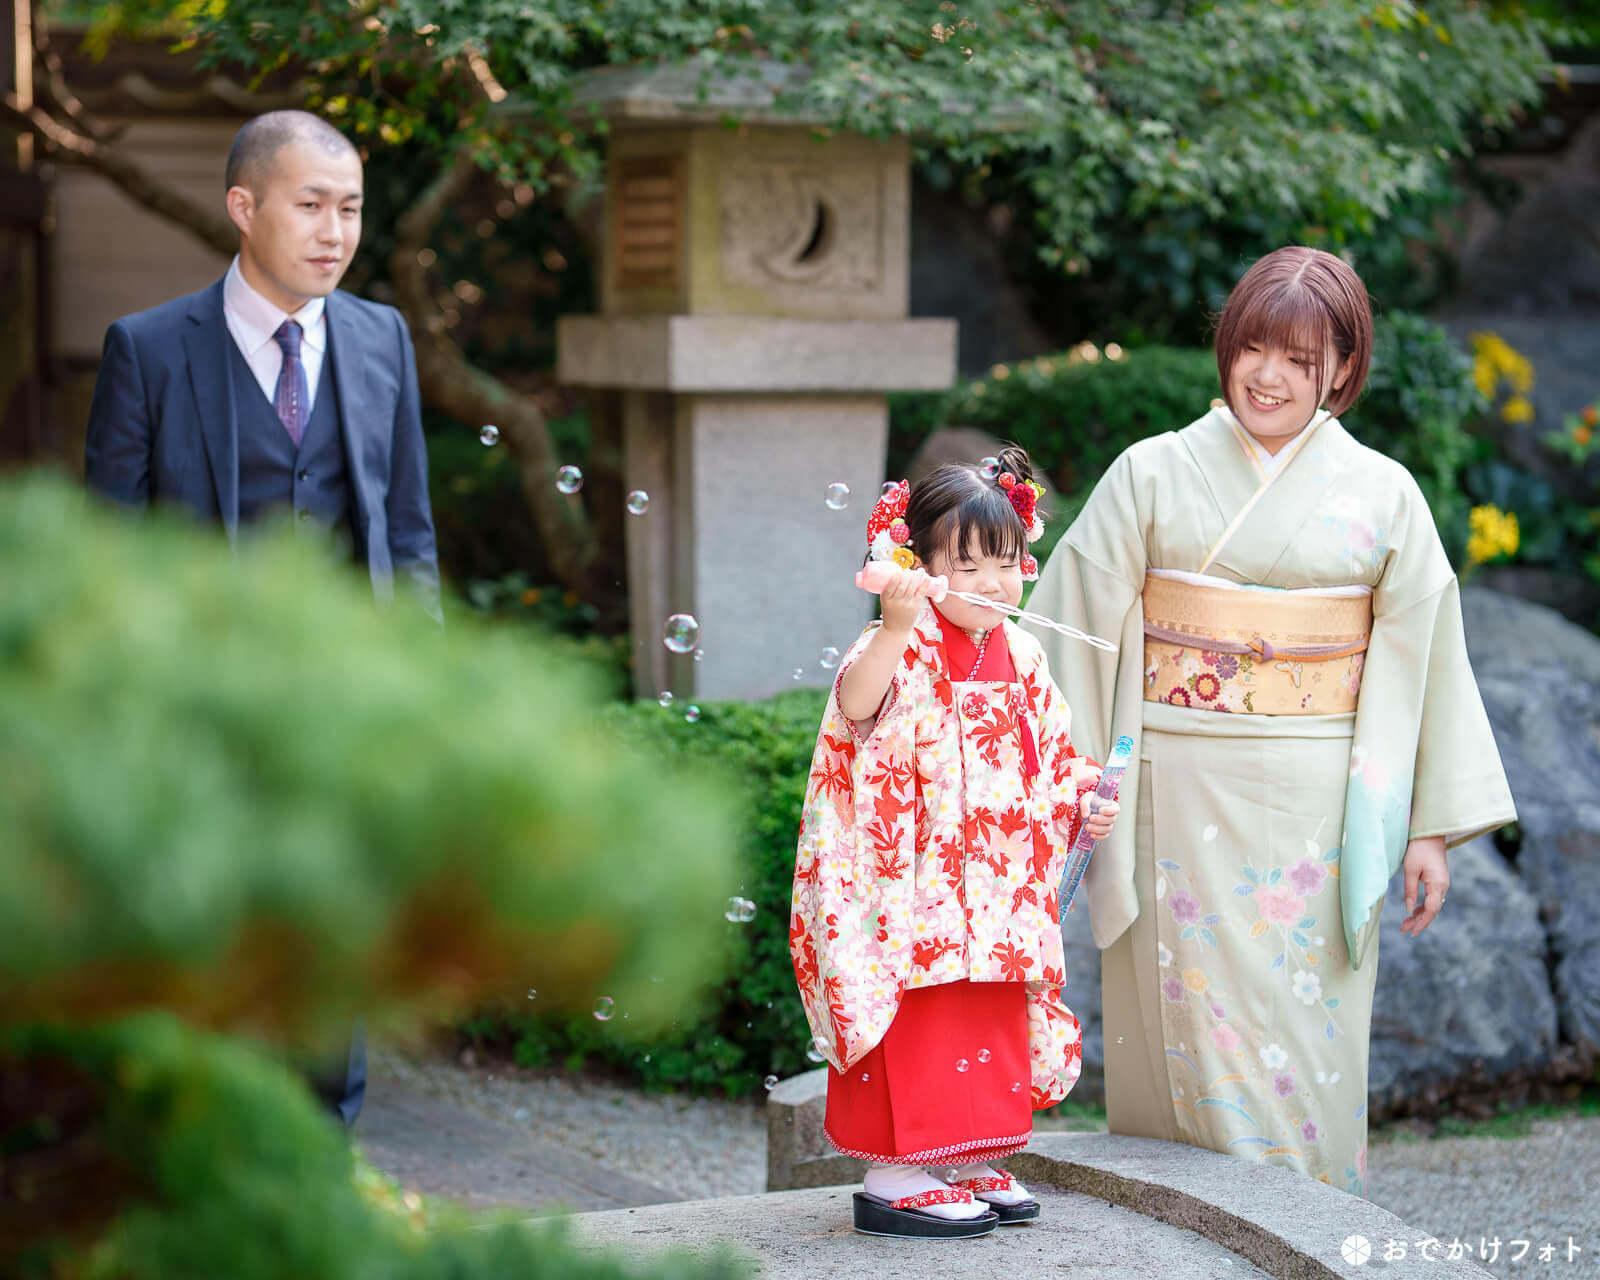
(453,384)
(69,146)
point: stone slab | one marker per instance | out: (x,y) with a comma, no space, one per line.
(688,353)
(1112,1206)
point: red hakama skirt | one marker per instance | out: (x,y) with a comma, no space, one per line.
(950,1083)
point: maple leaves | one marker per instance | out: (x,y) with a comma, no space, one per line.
(1014,963)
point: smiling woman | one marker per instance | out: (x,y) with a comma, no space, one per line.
(1293,673)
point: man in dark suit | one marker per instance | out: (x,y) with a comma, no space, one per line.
(273,393)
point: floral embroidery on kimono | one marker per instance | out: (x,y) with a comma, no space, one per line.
(931,851)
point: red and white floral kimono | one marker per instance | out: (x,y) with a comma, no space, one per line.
(924,926)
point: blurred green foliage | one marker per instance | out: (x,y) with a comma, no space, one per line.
(752,1024)
(173,1154)
(235,790)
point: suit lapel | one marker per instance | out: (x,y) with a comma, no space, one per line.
(347,364)
(205,343)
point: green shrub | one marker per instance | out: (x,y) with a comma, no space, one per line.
(752,1025)
(1418,406)
(1076,411)
(233,790)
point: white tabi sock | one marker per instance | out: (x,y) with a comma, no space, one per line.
(896,1181)
(1016,1195)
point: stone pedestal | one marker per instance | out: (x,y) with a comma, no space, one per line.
(754,297)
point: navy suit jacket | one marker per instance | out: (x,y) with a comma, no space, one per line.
(162,428)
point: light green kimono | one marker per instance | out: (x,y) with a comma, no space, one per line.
(1254,870)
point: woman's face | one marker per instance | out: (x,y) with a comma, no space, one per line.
(1274,393)
(971,569)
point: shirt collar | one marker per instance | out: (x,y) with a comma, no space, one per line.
(257,319)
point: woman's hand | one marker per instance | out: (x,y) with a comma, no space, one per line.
(1425,861)
(901,601)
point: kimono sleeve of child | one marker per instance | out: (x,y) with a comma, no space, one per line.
(1069,774)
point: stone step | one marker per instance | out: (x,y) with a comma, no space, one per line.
(1112,1207)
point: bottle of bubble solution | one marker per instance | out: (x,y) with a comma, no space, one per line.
(1083,847)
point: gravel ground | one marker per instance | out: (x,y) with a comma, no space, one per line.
(1541,1188)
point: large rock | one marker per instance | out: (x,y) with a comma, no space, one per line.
(1540,678)
(1467,999)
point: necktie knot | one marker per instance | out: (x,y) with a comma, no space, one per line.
(288,338)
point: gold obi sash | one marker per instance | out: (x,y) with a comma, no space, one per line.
(1275,653)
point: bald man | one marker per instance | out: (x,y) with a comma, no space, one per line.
(271,392)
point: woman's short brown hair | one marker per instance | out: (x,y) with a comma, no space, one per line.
(1301,299)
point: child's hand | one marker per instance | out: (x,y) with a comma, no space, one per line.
(901,600)
(1098,814)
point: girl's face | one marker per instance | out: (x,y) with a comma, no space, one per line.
(1274,392)
(971,569)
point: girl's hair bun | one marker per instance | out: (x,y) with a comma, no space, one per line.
(1014,458)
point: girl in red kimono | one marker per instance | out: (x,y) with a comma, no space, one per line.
(944,795)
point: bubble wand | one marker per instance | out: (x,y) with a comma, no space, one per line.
(879,573)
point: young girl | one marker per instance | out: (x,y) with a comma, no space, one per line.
(1292,667)
(944,794)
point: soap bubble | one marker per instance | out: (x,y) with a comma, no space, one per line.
(691,713)
(990,467)
(533,993)
(740,911)
(799,673)
(1016,1086)
(813,1053)
(569,479)
(961,1064)
(888,487)
(699,655)
(830,658)
(838,496)
(984,1055)
(664,698)
(604,1007)
(488,435)
(638,502)
(770,1083)
(680,632)
(865,1077)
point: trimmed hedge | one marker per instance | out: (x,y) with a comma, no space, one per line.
(1074,412)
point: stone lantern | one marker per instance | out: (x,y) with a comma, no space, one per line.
(753,315)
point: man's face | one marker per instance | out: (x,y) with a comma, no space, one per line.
(299,232)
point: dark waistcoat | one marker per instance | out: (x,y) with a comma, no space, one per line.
(275,478)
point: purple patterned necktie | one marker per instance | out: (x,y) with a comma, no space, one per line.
(292,397)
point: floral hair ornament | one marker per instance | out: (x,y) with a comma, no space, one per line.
(1024,498)
(888,534)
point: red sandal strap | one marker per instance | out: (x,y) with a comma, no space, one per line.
(996,1182)
(939,1195)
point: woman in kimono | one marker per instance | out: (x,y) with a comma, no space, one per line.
(1293,672)
(943,797)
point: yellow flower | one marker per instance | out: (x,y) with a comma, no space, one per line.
(1493,358)
(1517,409)
(1195,979)
(1494,533)
(903,556)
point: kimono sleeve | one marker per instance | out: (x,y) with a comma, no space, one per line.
(1093,581)
(1423,759)
(1459,787)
